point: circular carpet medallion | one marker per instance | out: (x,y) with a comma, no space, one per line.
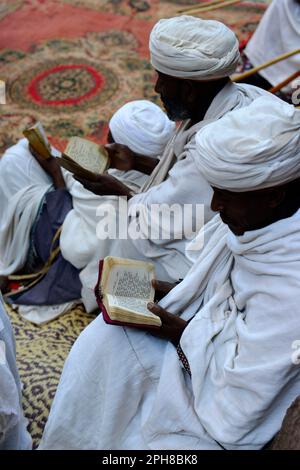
(68,84)
(77,92)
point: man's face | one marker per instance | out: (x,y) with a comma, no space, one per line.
(245,211)
(171,94)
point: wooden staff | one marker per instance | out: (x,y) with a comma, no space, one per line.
(285,82)
(208,6)
(279,58)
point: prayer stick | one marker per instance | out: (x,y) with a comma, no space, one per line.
(208,7)
(285,82)
(238,78)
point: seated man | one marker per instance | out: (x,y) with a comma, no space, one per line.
(32,210)
(220,372)
(13,433)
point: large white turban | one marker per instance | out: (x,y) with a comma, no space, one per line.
(251,148)
(195,49)
(143,127)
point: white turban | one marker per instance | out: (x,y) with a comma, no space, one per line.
(143,127)
(195,49)
(251,148)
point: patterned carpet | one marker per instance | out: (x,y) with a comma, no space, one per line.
(71,64)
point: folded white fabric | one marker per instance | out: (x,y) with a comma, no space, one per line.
(143,127)
(266,155)
(192,48)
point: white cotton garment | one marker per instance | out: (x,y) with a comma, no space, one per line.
(243,295)
(277,33)
(13,432)
(23,183)
(191,48)
(268,154)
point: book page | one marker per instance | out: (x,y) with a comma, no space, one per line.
(131,281)
(137,306)
(86,154)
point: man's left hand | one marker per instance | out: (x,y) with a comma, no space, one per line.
(105,185)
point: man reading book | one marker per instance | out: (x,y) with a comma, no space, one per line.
(222,374)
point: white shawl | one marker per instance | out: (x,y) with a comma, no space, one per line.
(23,184)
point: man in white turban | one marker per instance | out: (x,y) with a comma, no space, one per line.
(221,372)
(192,48)
(193,59)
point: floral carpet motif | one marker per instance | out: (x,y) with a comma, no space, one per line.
(72,64)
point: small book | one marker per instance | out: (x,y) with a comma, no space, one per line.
(123,290)
(38,140)
(84,158)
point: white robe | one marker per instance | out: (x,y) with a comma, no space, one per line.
(23,184)
(277,33)
(13,433)
(125,389)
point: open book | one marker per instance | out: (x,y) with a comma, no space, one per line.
(38,139)
(84,158)
(123,290)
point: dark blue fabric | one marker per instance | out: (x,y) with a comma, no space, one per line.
(61,283)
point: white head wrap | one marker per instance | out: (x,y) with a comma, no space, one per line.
(143,127)
(195,49)
(251,148)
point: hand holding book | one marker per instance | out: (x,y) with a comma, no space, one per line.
(105,185)
(172,326)
(125,294)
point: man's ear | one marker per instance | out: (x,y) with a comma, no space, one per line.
(276,197)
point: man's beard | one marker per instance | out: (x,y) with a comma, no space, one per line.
(175,110)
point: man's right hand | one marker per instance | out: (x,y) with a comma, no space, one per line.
(162,288)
